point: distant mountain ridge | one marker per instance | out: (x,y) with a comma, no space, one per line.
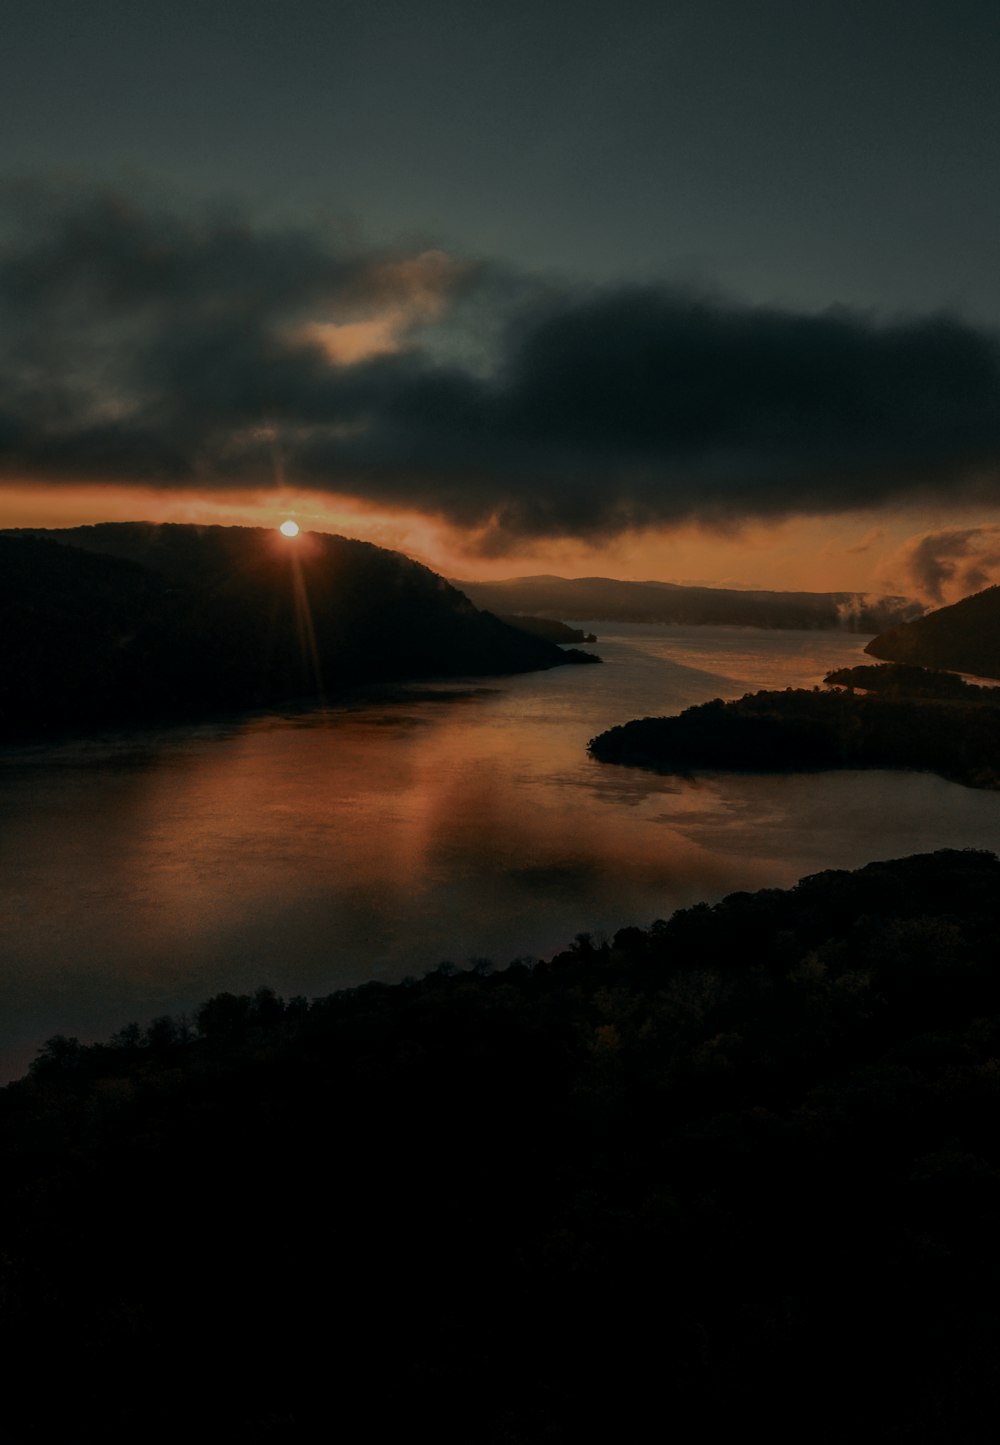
(610,599)
(964,637)
(126,622)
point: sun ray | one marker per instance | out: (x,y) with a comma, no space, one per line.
(304,624)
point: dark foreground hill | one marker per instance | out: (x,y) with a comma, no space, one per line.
(741,1167)
(964,637)
(666,602)
(132,622)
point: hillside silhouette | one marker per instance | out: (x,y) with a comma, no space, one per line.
(548,627)
(742,1165)
(126,622)
(964,637)
(667,602)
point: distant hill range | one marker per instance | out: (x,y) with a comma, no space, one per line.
(126,622)
(606,598)
(964,637)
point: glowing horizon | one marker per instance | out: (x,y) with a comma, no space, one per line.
(864,551)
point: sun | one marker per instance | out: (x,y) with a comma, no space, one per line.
(289,528)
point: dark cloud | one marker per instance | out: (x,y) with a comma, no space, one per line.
(154,347)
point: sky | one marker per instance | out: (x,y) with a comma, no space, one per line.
(693,291)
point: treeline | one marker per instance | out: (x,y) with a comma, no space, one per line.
(741,1166)
(900,680)
(800,731)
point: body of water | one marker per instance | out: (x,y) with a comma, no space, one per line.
(138,876)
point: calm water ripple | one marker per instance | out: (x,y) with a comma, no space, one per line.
(313,851)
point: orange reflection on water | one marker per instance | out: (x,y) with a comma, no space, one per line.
(315,851)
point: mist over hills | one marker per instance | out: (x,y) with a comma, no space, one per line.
(610,599)
(964,637)
(125,622)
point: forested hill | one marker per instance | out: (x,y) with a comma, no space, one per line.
(743,1165)
(799,730)
(964,637)
(665,602)
(126,622)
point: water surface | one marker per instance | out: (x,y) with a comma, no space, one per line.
(456,821)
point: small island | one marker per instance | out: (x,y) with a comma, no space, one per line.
(802,730)
(897,679)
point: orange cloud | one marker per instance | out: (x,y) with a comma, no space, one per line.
(354,341)
(412,291)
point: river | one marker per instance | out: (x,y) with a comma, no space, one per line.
(308,851)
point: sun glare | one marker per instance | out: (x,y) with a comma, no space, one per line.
(289,528)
